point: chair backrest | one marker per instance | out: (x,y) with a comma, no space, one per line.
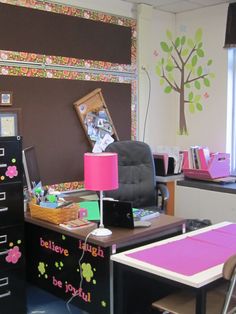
(229,273)
(229,267)
(136,173)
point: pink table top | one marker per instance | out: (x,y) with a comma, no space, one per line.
(193,254)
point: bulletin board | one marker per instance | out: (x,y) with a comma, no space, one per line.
(65,35)
(50,123)
(51,55)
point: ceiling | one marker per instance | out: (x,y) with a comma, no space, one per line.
(177,6)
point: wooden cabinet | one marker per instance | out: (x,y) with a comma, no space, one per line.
(12,262)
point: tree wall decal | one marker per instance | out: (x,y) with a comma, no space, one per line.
(180,71)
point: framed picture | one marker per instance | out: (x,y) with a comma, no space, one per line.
(6,98)
(10,122)
(96,120)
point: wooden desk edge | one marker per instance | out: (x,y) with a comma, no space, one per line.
(162,225)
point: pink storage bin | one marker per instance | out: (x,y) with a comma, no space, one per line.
(218,167)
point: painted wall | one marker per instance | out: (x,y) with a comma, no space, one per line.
(116,7)
(204,128)
(160,124)
(209,126)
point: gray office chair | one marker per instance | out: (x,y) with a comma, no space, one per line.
(220,300)
(137,176)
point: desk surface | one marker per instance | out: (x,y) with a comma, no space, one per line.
(160,226)
(166,179)
(197,280)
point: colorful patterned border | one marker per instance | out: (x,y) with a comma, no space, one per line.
(64,61)
(67,186)
(76,75)
(81,69)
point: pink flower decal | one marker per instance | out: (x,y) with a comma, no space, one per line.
(13,255)
(11,172)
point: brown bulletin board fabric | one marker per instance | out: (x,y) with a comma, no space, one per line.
(29,30)
(50,122)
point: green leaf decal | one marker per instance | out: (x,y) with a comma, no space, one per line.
(191,107)
(198,35)
(183,40)
(197,98)
(169,35)
(162,60)
(200,53)
(197,84)
(158,70)
(187,85)
(199,106)
(190,43)
(170,77)
(169,67)
(185,52)
(206,82)
(190,96)
(162,81)
(194,60)
(168,89)
(199,71)
(177,42)
(209,62)
(199,45)
(189,67)
(165,47)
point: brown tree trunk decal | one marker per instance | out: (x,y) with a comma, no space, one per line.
(181,71)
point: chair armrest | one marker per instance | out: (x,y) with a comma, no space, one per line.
(163,193)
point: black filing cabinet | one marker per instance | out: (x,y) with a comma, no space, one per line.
(12,261)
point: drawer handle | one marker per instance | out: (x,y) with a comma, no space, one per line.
(4,252)
(3,209)
(2,152)
(2,196)
(3,165)
(4,281)
(4,295)
(3,239)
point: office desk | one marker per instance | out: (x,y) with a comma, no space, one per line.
(53,255)
(167,261)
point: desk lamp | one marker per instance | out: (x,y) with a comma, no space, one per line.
(101,174)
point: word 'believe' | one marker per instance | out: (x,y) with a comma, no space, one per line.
(50,245)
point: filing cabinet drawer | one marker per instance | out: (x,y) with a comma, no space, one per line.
(11,204)
(11,169)
(11,247)
(12,292)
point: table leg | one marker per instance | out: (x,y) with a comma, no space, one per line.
(201,301)
(170,210)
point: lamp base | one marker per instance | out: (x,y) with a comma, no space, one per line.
(101,232)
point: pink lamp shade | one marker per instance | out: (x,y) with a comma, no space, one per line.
(100,171)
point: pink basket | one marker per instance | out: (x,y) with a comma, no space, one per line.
(218,167)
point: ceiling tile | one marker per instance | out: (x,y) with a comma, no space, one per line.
(208,2)
(177,6)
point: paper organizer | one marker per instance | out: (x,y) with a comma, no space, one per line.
(218,167)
